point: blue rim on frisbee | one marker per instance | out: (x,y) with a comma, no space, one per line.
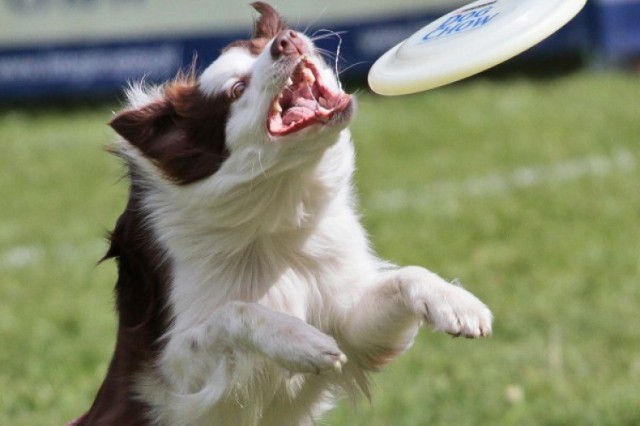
(467,41)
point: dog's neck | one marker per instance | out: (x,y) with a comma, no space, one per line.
(249,192)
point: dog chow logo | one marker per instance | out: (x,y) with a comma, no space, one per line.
(463,20)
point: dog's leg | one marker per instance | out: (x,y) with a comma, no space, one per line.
(219,359)
(244,329)
(385,320)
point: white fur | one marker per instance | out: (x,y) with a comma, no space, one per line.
(274,279)
(229,67)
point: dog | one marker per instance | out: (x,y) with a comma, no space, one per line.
(248,292)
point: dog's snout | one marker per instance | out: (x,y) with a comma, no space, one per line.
(286,43)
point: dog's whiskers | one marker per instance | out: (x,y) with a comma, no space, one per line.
(314,20)
(326,34)
(351,66)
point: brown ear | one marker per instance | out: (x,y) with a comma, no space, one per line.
(269,24)
(141,125)
(183,133)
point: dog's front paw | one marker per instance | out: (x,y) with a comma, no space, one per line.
(457,312)
(302,348)
(448,307)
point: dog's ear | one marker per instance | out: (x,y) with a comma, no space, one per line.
(141,125)
(154,130)
(266,27)
(270,22)
(183,132)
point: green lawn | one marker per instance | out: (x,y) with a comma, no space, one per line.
(525,190)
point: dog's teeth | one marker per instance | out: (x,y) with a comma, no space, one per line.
(289,81)
(309,77)
(276,107)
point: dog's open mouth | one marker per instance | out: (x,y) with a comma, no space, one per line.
(304,101)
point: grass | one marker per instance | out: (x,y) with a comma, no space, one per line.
(526,190)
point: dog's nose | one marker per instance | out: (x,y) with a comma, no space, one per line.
(286,43)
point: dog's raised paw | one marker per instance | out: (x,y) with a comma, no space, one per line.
(302,348)
(447,307)
(313,355)
(459,313)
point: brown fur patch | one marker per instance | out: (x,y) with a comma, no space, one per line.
(183,133)
(266,27)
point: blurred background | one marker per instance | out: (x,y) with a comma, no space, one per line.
(53,48)
(522,182)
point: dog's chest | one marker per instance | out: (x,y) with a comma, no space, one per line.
(278,272)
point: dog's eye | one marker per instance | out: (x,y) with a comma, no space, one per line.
(237,89)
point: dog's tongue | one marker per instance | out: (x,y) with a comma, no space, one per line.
(302,108)
(296,114)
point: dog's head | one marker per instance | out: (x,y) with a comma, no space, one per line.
(269,96)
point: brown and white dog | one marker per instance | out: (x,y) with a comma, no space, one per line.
(246,280)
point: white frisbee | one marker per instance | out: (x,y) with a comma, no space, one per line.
(467,41)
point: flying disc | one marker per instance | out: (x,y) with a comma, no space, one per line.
(467,41)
